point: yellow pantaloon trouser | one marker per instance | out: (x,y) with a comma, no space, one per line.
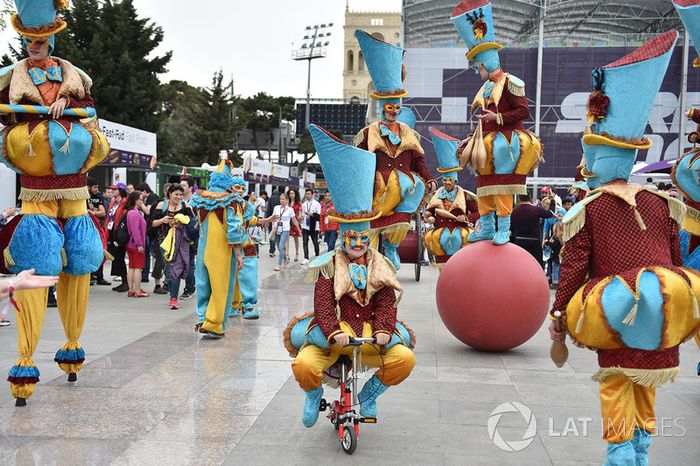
(626,406)
(395,237)
(502,204)
(393,366)
(71,296)
(218,260)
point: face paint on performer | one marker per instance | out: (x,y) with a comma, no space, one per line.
(37,48)
(355,243)
(448,183)
(238,189)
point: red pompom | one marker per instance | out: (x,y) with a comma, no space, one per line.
(598,104)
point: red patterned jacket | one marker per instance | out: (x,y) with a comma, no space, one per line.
(375,305)
(611,243)
(408,158)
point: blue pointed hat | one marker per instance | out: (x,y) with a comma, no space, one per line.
(407,117)
(623,96)
(38,18)
(689,12)
(686,174)
(349,173)
(473,19)
(385,66)
(221,179)
(446,151)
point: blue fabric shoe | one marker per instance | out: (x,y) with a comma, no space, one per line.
(391,253)
(487,231)
(698,368)
(620,454)
(641,443)
(502,236)
(251,314)
(368,396)
(312,406)
(232,313)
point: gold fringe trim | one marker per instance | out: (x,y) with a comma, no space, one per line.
(64,257)
(403,226)
(327,270)
(518,91)
(9,261)
(43,195)
(514,189)
(678,211)
(359,138)
(643,377)
(574,224)
(639,219)
(579,323)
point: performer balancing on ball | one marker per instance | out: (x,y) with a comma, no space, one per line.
(623,290)
(355,291)
(500,150)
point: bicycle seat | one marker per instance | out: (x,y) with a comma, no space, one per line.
(343,360)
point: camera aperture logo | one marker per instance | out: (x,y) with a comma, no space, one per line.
(528,436)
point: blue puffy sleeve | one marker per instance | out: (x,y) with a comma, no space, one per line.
(235,231)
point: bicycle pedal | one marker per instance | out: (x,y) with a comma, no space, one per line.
(369,420)
(324,405)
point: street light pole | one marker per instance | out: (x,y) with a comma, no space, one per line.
(310,51)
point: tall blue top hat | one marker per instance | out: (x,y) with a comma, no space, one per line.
(623,96)
(221,180)
(385,65)
(38,18)
(689,12)
(474,22)
(349,173)
(446,151)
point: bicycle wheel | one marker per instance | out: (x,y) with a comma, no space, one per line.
(349,440)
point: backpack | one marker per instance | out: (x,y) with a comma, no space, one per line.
(121,233)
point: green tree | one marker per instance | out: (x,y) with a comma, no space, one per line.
(176,136)
(116,47)
(261,114)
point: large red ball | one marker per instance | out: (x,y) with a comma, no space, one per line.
(492,298)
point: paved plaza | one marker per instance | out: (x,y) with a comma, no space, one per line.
(153,392)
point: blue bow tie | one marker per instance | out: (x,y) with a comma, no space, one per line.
(394,138)
(488,89)
(449,195)
(358,275)
(52,73)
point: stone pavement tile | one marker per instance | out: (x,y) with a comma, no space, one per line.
(206,424)
(477,392)
(388,456)
(469,358)
(242,402)
(35,419)
(485,375)
(475,441)
(559,395)
(473,413)
(476,459)
(541,362)
(9,444)
(110,424)
(553,377)
(576,449)
(68,451)
(287,455)
(672,451)
(93,376)
(193,452)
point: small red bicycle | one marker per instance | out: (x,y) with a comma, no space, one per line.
(342,412)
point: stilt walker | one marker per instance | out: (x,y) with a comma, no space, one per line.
(222,233)
(452,210)
(500,150)
(52,138)
(686,171)
(623,291)
(355,291)
(402,175)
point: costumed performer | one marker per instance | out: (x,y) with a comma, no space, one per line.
(509,151)
(219,210)
(401,174)
(52,153)
(623,291)
(686,171)
(355,291)
(452,210)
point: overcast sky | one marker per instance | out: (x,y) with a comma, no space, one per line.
(251,41)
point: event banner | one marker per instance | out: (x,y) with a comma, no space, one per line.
(441,88)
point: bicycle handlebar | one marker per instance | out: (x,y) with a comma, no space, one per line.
(356,341)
